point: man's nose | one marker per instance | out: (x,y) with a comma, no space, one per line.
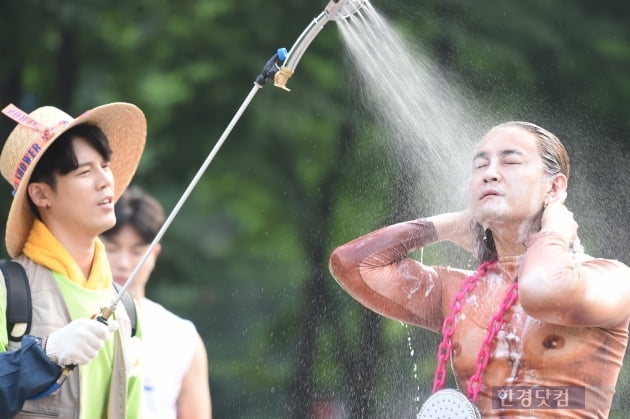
(122,260)
(105,179)
(491,173)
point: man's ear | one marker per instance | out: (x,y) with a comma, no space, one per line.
(40,194)
(557,189)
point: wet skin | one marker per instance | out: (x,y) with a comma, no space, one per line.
(529,352)
(569,325)
(376,271)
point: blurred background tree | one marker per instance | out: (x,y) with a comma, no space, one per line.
(246,259)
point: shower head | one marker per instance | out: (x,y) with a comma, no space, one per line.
(342,9)
(336,10)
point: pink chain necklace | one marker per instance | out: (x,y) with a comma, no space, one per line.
(494,326)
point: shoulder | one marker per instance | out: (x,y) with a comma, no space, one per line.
(11,274)
(33,270)
(156,312)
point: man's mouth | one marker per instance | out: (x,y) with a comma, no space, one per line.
(106,201)
(120,279)
(489,193)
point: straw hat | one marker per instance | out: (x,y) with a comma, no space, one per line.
(124,125)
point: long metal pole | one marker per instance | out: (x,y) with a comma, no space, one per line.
(106,312)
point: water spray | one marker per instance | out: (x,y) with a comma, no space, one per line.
(336,10)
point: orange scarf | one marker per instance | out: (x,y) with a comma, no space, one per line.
(43,248)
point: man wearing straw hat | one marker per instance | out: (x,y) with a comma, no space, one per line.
(66,174)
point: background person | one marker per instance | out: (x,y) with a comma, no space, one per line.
(175,374)
(66,175)
(538,314)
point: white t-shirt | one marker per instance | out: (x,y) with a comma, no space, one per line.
(168,345)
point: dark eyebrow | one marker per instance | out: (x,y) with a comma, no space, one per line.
(91,162)
(504,153)
(480,155)
(81,166)
(510,151)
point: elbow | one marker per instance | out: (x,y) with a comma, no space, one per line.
(343,264)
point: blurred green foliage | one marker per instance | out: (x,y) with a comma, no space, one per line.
(246,258)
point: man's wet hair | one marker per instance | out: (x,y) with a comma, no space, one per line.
(555,160)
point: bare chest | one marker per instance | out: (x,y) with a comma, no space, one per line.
(524,350)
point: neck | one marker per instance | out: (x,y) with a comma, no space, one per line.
(512,240)
(508,246)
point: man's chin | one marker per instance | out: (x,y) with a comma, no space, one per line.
(490,218)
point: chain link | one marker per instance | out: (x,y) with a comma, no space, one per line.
(448,327)
(495,325)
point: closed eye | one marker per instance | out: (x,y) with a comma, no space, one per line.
(480,163)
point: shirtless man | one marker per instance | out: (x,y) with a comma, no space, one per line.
(560,347)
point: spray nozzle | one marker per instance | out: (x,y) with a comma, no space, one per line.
(335,10)
(343,9)
(271,67)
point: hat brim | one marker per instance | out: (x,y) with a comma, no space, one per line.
(125,127)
